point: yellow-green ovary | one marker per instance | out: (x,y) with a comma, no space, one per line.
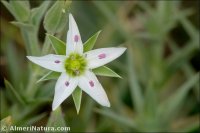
(75,65)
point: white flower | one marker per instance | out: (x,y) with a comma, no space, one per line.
(76,67)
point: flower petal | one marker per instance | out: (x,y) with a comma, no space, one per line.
(90,84)
(74,42)
(64,87)
(51,62)
(102,56)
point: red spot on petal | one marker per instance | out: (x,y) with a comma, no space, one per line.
(57,61)
(101,56)
(91,83)
(67,83)
(76,38)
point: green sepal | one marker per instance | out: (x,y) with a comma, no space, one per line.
(89,44)
(105,71)
(49,75)
(58,45)
(77,95)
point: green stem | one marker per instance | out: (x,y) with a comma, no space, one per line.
(46,47)
(31,42)
(31,89)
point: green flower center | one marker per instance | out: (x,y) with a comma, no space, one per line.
(75,65)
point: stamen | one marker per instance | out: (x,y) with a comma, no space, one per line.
(77,72)
(101,56)
(76,38)
(67,83)
(91,83)
(72,57)
(57,61)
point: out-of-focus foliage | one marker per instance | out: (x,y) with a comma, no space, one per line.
(159,88)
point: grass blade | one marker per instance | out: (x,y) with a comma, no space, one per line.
(172,105)
(136,93)
(117,118)
(14,92)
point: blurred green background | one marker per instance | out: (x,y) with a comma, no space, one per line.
(159,90)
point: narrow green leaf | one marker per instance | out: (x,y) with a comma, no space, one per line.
(126,121)
(31,42)
(171,106)
(105,71)
(190,29)
(14,65)
(14,92)
(23,113)
(137,97)
(111,16)
(56,119)
(187,68)
(77,95)
(8,6)
(88,110)
(24,26)
(48,76)
(55,20)
(40,101)
(181,56)
(89,44)
(4,104)
(21,10)
(58,45)
(53,16)
(30,37)
(45,94)
(35,118)
(38,12)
